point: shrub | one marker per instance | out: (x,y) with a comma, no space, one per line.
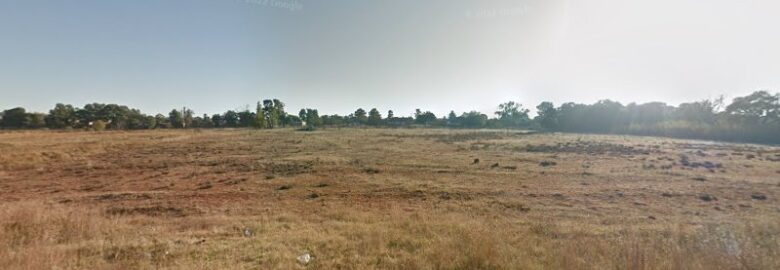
(99,125)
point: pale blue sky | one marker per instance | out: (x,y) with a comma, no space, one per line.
(337,55)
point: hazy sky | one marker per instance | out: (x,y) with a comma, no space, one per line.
(336,55)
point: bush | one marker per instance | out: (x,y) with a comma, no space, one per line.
(99,125)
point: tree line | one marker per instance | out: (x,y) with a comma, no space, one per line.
(752,118)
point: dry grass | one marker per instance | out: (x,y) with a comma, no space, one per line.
(386,199)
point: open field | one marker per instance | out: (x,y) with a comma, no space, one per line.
(384,198)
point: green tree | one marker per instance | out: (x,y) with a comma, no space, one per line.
(701,111)
(150,122)
(547,116)
(217,120)
(360,116)
(260,117)
(115,116)
(202,121)
(280,114)
(474,119)
(137,120)
(140,121)
(293,121)
(302,114)
(36,120)
(246,118)
(15,118)
(512,115)
(162,121)
(187,117)
(313,118)
(424,118)
(87,115)
(334,120)
(231,119)
(374,117)
(207,121)
(605,116)
(62,116)
(644,114)
(759,106)
(452,119)
(176,119)
(272,113)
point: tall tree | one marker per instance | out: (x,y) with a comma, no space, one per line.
(162,121)
(759,106)
(374,117)
(217,121)
(360,116)
(334,120)
(512,115)
(138,120)
(15,118)
(452,115)
(260,120)
(62,116)
(231,119)
(281,115)
(701,111)
(271,113)
(115,116)
(293,121)
(90,113)
(187,117)
(302,115)
(246,118)
(141,121)
(313,118)
(547,115)
(452,119)
(424,118)
(646,114)
(176,119)
(474,119)
(35,120)
(202,122)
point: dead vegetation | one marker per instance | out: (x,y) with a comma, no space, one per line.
(289,168)
(589,148)
(461,136)
(384,199)
(153,211)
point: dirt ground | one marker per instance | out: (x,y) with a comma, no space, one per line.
(385,199)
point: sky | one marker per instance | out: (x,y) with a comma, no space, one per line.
(338,55)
